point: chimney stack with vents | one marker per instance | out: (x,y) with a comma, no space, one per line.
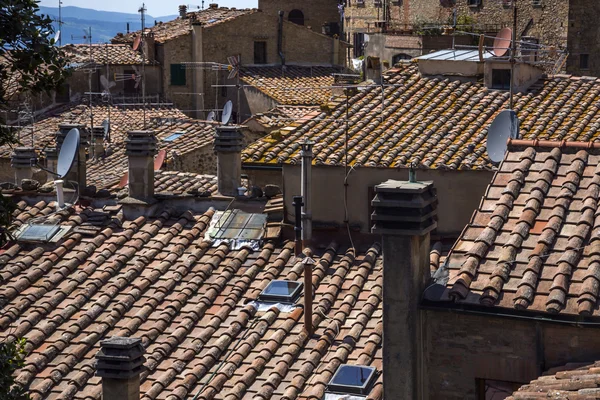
(404,214)
(120,362)
(78,171)
(51,160)
(228,146)
(182,11)
(22,160)
(306,181)
(98,136)
(140,148)
(373,70)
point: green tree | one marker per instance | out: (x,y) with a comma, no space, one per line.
(11,358)
(29,61)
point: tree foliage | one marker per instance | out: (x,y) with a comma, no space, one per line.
(11,358)
(29,61)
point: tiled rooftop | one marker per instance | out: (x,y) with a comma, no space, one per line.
(157,279)
(294,85)
(183,183)
(281,116)
(572,382)
(113,54)
(165,31)
(533,244)
(434,123)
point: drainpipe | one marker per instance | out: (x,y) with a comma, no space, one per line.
(298,226)
(306,182)
(308,295)
(280,39)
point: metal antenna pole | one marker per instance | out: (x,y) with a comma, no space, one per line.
(90,78)
(60,22)
(513,53)
(143,10)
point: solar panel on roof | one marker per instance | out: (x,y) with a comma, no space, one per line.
(355,379)
(281,291)
(37,232)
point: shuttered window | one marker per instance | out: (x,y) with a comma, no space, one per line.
(177,75)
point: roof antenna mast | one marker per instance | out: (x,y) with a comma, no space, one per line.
(513,53)
(60,22)
(142,10)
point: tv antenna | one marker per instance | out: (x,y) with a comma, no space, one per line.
(142,11)
(58,35)
(513,54)
(505,126)
(226,115)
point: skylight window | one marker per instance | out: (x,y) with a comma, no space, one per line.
(237,228)
(354,379)
(280,291)
(37,232)
(212,20)
(173,136)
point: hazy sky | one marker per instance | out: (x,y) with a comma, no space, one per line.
(156,8)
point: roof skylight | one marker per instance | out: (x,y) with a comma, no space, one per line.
(280,291)
(237,228)
(355,379)
(37,232)
(174,136)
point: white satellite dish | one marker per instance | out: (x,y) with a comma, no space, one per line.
(106,126)
(505,126)
(211,116)
(226,116)
(68,152)
(106,84)
(56,36)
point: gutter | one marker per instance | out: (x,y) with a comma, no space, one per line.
(262,167)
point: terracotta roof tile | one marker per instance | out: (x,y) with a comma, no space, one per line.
(281,116)
(292,85)
(113,54)
(435,123)
(532,248)
(156,278)
(164,31)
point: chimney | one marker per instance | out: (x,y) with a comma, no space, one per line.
(306,182)
(119,364)
(22,160)
(373,70)
(51,160)
(98,140)
(213,5)
(140,147)
(298,204)
(78,170)
(404,214)
(182,11)
(309,263)
(228,146)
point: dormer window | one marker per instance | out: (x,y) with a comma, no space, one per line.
(281,291)
(352,379)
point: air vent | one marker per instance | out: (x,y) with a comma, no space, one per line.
(280,291)
(352,379)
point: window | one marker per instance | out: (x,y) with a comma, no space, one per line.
(296,16)
(355,379)
(359,42)
(223,91)
(37,232)
(474,3)
(501,79)
(129,83)
(488,389)
(280,291)
(260,52)
(177,75)
(237,228)
(536,3)
(584,61)
(63,93)
(402,56)
(172,137)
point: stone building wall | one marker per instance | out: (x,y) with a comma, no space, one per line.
(584,37)
(177,51)
(316,12)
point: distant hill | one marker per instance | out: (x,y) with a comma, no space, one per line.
(105,24)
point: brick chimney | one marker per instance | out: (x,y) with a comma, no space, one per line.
(98,141)
(404,214)
(78,172)
(22,160)
(228,146)
(119,364)
(51,160)
(140,147)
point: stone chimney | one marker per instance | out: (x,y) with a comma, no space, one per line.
(228,146)
(404,214)
(51,160)
(182,11)
(373,70)
(140,147)
(22,160)
(98,141)
(78,172)
(119,364)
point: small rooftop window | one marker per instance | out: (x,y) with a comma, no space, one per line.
(355,379)
(173,136)
(280,291)
(37,232)
(212,20)
(237,228)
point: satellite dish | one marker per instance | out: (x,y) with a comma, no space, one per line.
(502,42)
(68,152)
(226,116)
(160,159)
(106,126)
(56,36)
(136,42)
(505,126)
(211,116)
(447,3)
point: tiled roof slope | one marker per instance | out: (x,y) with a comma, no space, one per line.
(165,31)
(572,382)
(434,123)
(533,243)
(281,116)
(182,183)
(112,54)
(293,85)
(158,280)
